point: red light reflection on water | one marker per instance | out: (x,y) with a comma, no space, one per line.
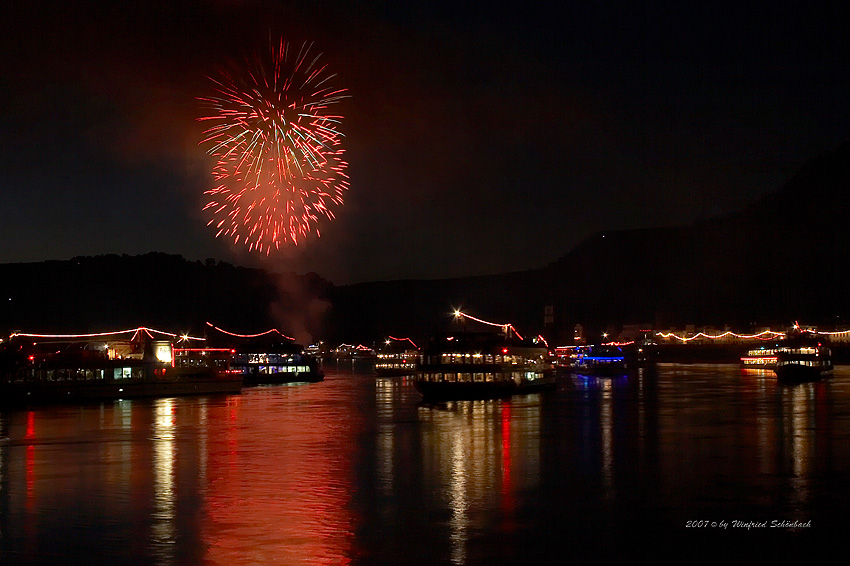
(232,433)
(30,456)
(278,495)
(507,487)
(30,425)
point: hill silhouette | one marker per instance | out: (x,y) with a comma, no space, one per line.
(167,292)
(783,258)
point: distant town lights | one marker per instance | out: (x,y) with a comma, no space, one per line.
(835,333)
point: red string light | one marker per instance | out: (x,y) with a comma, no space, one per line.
(203,350)
(507,327)
(251,335)
(765,335)
(403,340)
(134,331)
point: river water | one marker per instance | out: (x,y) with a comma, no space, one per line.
(356,470)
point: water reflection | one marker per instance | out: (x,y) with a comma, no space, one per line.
(793,436)
(163,534)
(355,470)
(481,453)
(385,453)
(606,416)
(615,431)
(802,429)
(4,437)
(802,420)
(458,502)
(280,466)
(120,453)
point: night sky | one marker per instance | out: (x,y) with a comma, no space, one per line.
(481,138)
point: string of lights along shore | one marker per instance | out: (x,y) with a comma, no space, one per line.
(277,143)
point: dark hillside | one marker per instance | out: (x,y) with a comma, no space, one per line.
(93,294)
(785,258)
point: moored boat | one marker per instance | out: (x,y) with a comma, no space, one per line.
(70,370)
(564,357)
(349,356)
(803,358)
(763,358)
(398,357)
(274,368)
(482,365)
(602,360)
(267,358)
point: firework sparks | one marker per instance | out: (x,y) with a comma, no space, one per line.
(277,144)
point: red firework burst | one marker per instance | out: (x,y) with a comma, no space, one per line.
(279,161)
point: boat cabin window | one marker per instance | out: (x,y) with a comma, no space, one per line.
(123,373)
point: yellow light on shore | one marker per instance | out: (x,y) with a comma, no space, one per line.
(163,353)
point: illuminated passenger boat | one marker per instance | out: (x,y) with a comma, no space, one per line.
(604,360)
(72,371)
(482,365)
(352,353)
(267,358)
(399,356)
(760,359)
(803,358)
(264,367)
(564,357)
